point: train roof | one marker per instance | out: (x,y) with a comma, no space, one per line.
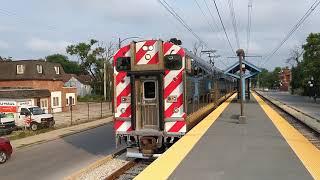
(207,67)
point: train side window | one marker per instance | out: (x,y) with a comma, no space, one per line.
(173,62)
(123,64)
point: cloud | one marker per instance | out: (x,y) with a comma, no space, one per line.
(4,45)
(37,44)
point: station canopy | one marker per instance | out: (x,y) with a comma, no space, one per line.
(250,70)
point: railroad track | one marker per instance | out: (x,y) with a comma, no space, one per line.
(312,135)
(130,170)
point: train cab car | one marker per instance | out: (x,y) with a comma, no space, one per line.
(156,85)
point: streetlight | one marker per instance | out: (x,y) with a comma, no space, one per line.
(120,41)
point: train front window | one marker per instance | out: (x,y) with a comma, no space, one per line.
(149,89)
(123,64)
(173,62)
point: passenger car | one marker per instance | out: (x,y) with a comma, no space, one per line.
(5,150)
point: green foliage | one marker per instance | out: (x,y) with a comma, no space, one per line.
(69,67)
(269,79)
(92,55)
(308,67)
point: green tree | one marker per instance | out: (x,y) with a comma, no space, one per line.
(69,67)
(91,56)
(269,79)
(311,60)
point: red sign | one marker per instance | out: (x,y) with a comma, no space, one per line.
(8,109)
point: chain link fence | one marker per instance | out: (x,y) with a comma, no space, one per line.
(81,113)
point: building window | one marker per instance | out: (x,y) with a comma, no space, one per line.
(44,103)
(72,102)
(55,101)
(39,68)
(57,69)
(20,69)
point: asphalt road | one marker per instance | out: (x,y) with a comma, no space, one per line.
(60,158)
(302,103)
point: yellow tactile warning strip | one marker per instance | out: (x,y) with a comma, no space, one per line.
(167,162)
(308,154)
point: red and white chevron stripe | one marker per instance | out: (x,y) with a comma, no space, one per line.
(174,127)
(122,89)
(173,84)
(122,126)
(147,52)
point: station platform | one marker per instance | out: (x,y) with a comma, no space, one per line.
(266,147)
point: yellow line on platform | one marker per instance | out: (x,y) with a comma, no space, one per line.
(168,161)
(308,154)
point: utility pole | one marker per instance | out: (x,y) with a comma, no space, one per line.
(105,80)
(214,79)
(242,118)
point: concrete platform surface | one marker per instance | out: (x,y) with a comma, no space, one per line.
(229,150)
(266,147)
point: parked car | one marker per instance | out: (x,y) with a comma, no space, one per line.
(5,150)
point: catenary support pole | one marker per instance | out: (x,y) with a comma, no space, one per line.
(242,118)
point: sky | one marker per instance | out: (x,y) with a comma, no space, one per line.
(34,29)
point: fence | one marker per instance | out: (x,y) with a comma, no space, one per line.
(82,112)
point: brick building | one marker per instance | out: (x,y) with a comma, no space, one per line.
(39,74)
(285,79)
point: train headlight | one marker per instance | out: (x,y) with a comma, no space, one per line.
(176,110)
(145,48)
(150,48)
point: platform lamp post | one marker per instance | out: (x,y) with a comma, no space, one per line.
(240,54)
(121,40)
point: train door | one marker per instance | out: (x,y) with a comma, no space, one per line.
(147,114)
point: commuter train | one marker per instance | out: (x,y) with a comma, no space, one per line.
(157,87)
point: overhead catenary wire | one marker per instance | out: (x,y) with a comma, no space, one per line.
(249,25)
(178,17)
(234,21)
(293,29)
(205,17)
(224,29)
(213,19)
(210,13)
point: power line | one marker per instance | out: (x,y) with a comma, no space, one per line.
(212,17)
(203,14)
(249,24)
(294,28)
(178,17)
(224,29)
(234,21)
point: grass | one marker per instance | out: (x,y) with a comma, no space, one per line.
(91,98)
(26,133)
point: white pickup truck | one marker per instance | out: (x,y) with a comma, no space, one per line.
(24,115)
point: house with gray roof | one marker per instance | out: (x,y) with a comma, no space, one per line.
(81,82)
(36,75)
